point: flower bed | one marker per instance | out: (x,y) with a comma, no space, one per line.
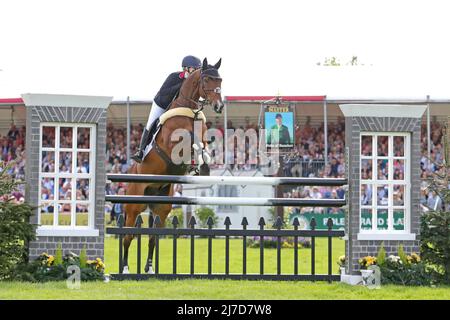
(54,268)
(271,242)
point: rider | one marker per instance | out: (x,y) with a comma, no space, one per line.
(164,98)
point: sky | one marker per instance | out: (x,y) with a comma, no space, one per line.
(127,48)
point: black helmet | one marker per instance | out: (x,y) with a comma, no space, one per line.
(191,62)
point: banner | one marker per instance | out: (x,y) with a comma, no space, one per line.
(339,221)
(279,125)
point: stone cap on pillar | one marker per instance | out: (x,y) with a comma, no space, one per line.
(65,100)
(383,110)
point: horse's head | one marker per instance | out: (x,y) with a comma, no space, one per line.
(210,85)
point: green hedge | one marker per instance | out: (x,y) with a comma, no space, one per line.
(15,228)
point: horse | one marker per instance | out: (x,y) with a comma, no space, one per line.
(186,108)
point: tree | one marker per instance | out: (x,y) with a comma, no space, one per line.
(435,225)
(15,228)
(335,62)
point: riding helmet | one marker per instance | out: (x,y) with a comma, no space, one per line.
(191,62)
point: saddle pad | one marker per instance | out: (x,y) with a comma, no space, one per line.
(186,112)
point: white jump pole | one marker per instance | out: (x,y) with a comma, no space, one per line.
(234,201)
(225,180)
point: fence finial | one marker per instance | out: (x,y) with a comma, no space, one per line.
(210,222)
(157,221)
(330,223)
(278,223)
(296,223)
(192,222)
(262,222)
(227,222)
(139,221)
(175,221)
(244,221)
(313,223)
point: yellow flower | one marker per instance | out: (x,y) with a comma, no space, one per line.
(415,258)
(50,260)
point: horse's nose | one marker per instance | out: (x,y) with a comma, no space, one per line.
(218,106)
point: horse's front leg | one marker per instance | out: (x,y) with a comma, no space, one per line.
(162,211)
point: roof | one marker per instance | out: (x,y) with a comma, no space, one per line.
(11,101)
(282,98)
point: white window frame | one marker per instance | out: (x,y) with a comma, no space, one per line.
(72,230)
(390,233)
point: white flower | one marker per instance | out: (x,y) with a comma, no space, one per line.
(394,259)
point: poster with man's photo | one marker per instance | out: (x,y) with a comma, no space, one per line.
(279,125)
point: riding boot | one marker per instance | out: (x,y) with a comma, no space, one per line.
(140,152)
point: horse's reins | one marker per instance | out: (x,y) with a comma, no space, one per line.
(200,104)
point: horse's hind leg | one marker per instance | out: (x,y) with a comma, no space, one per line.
(162,211)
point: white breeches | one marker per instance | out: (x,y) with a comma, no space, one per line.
(155,112)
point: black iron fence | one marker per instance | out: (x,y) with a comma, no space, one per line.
(154,229)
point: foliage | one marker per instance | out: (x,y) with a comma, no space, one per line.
(45,268)
(412,273)
(203,214)
(178,212)
(274,215)
(435,242)
(335,62)
(403,269)
(15,229)
(272,242)
(435,225)
(59,254)
(402,254)
(83,257)
(381,256)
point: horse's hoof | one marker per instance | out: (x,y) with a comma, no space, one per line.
(125,270)
(150,270)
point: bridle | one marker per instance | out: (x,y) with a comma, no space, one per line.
(201,104)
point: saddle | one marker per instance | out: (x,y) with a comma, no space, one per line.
(156,127)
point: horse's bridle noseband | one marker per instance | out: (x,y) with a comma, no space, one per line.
(201,104)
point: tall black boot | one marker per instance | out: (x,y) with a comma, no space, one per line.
(140,152)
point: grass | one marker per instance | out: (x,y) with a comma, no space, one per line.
(218,289)
(215,290)
(218,260)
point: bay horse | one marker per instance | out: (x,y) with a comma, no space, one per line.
(183,111)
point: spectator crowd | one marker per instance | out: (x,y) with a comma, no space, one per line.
(306,159)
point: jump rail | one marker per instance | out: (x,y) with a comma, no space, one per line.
(156,231)
(226,180)
(236,201)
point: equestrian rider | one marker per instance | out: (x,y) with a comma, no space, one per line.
(164,98)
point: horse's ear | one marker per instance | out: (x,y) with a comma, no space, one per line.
(217,65)
(205,64)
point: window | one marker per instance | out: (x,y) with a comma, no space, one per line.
(385,185)
(67,176)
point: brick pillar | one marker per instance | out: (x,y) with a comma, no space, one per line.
(380,118)
(67,110)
